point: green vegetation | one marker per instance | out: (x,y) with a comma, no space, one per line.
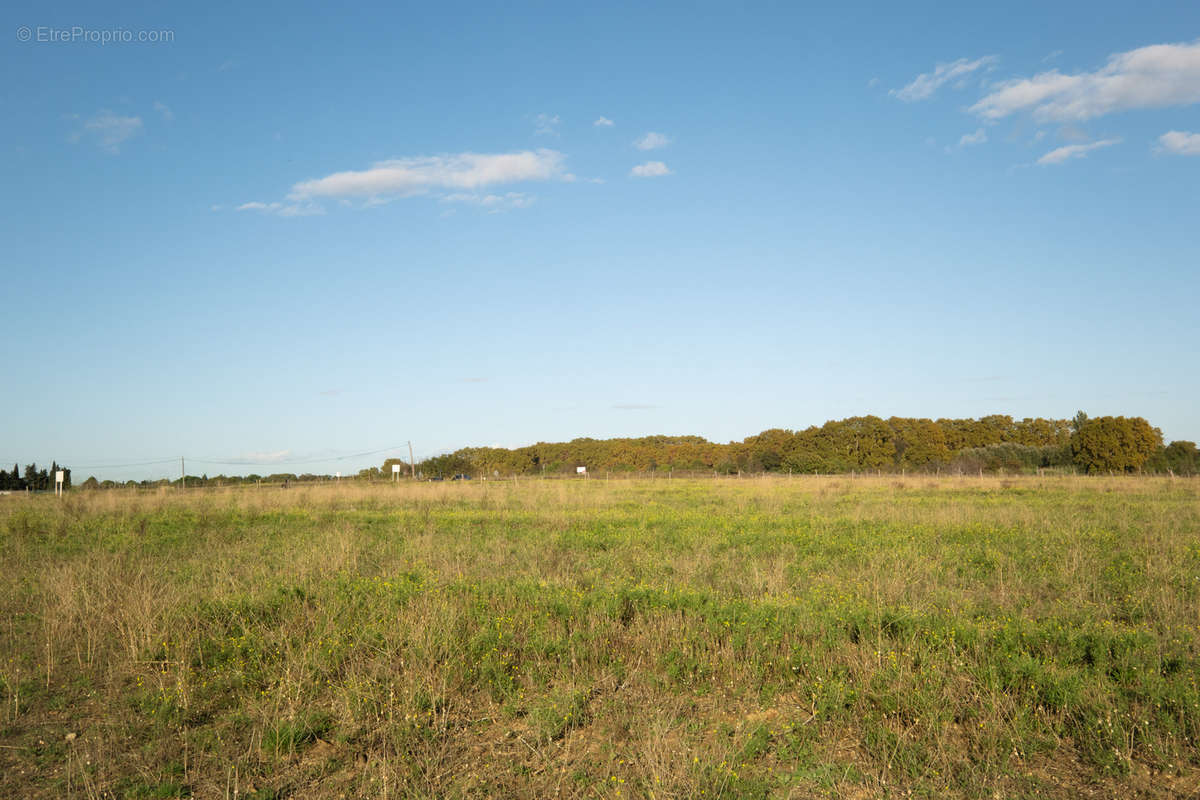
(1115,444)
(34,480)
(996,443)
(733,638)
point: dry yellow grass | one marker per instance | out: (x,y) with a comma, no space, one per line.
(768,637)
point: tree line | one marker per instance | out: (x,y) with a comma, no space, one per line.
(995,443)
(33,479)
(214,482)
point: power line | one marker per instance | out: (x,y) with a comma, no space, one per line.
(125,464)
(245,463)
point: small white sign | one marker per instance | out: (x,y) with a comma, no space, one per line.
(581,470)
(59,476)
(395,468)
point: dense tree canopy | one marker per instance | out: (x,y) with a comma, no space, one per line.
(868,443)
(1180,458)
(1114,444)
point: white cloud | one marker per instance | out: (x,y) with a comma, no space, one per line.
(404,177)
(1071,133)
(651,169)
(604,122)
(978,137)
(1149,77)
(303,209)
(492,202)
(546,124)
(652,141)
(927,83)
(462,175)
(1181,143)
(109,130)
(166,112)
(1071,151)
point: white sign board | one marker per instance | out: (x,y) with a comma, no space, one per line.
(581,470)
(58,481)
(395,468)
(58,476)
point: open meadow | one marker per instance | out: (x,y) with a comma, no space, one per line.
(719,638)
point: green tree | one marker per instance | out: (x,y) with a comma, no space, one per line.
(769,450)
(1114,444)
(918,442)
(1182,458)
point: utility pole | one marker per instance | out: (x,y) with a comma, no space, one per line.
(412,465)
(182,473)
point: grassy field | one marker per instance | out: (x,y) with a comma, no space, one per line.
(806,637)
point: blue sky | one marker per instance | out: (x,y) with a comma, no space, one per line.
(281,234)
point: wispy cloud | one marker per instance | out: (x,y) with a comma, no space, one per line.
(1073,134)
(968,139)
(462,175)
(652,141)
(1180,143)
(1156,76)
(604,122)
(109,130)
(546,124)
(492,202)
(301,209)
(1072,151)
(925,85)
(274,457)
(651,169)
(408,176)
(162,109)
